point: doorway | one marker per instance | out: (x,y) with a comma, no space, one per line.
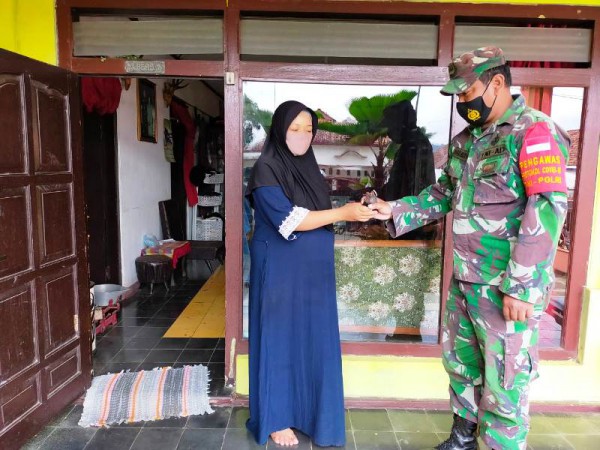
(143,158)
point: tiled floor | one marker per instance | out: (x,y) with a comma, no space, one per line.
(137,343)
(365,430)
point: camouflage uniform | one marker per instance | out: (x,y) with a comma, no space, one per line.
(504,243)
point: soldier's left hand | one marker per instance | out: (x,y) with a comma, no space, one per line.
(515,309)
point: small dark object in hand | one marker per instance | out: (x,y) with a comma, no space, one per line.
(370,198)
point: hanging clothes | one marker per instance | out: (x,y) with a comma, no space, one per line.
(180,112)
(101,94)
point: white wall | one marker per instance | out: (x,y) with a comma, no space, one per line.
(197,94)
(144,179)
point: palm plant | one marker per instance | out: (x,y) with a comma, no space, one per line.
(367,128)
(255,118)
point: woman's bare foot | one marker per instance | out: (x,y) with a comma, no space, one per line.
(285,437)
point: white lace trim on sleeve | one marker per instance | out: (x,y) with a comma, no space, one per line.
(291,222)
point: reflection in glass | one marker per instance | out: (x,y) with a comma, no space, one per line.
(384,138)
(567,106)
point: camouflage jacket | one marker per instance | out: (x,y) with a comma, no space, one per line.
(502,236)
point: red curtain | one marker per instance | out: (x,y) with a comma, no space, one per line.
(180,112)
(101,95)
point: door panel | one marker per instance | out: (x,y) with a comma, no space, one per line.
(62,371)
(54,208)
(18,306)
(45,351)
(58,304)
(12,125)
(18,400)
(15,223)
(51,129)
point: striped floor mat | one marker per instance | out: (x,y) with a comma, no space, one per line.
(128,397)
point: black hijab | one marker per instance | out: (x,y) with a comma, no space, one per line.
(298,176)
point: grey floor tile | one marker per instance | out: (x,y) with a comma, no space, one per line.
(417,441)
(206,343)
(216,370)
(171,422)
(218,356)
(160,322)
(71,420)
(152,332)
(540,424)
(240,439)
(218,419)
(143,343)
(570,424)
(441,420)
(163,356)
(581,441)
(217,388)
(104,354)
(195,356)
(549,442)
(133,321)
(62,416)
(205,439)
(128,355)
(172,344)
(370,419)
(411,421)
(168,313)
(113,439)
(69,439)
(239,416)
(375,440)
(37,441)
(157,438)
(349,444)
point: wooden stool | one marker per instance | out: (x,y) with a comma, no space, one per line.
(154,269)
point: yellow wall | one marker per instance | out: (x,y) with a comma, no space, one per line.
(28,27)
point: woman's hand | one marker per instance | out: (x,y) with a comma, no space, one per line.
(355,212)
(382,210)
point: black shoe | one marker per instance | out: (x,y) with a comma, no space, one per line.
(462,436)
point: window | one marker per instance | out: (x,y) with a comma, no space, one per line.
(388,289)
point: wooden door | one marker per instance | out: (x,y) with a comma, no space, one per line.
(45,355)
(100,182)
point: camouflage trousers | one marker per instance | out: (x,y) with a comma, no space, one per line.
(490,362)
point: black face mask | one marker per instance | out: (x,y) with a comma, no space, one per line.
(475,111)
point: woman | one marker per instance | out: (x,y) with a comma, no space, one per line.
(295,356)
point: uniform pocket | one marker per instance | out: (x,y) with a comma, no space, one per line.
(492,181)
(520,364)
(455,170)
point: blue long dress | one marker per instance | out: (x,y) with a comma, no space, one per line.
(295,355)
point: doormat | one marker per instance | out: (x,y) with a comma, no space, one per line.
(128,397)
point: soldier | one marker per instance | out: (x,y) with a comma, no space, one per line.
(505,182)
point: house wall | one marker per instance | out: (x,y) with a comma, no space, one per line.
(29,28)
(196,93)
(144,179)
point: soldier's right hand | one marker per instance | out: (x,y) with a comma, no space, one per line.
(382,209)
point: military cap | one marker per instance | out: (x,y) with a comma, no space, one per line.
(468,67)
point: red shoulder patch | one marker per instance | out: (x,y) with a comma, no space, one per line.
(541,161)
